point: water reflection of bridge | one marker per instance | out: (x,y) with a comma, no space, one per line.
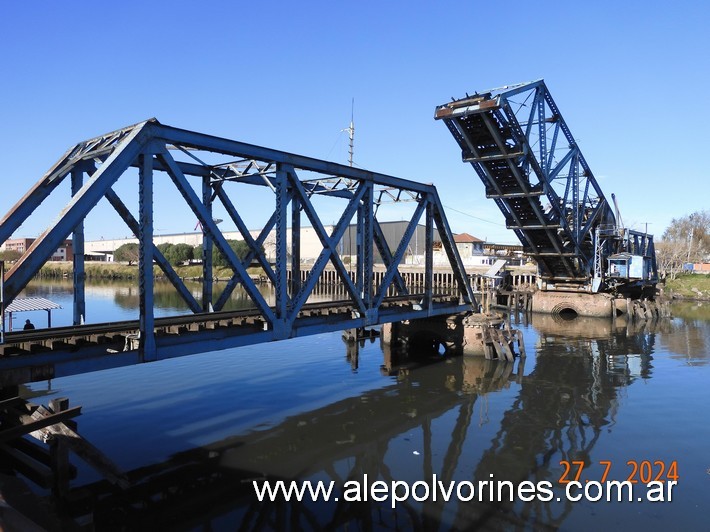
(556,412)
(562,407)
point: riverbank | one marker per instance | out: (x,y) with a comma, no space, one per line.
(117,271)
(689,286)
(120,271)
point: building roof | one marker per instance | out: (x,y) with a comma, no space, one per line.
(465,238)
(31,303)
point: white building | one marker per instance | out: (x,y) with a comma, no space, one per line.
(472,249)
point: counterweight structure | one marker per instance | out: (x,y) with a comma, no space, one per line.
(520,146)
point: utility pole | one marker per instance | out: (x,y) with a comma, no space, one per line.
(690,243)
(351,150)
(645,237)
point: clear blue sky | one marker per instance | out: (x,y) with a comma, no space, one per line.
(628,78)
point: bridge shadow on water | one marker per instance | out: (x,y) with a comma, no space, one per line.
(463,419)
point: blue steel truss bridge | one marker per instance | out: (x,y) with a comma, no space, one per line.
(206,171)
(519,145)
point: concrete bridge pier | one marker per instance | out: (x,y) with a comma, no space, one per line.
(466,333)
(573,304)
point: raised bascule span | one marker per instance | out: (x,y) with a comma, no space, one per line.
(520,146)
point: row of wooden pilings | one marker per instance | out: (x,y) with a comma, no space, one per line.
(416,279)
(515,300)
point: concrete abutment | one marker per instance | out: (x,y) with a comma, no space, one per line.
(572,304)
(468,334)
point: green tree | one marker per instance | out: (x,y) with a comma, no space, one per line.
(197,252)
(126,253)
(687,239)
(181,253)
(240,248)
(177,254)
(166,248)
(10,255)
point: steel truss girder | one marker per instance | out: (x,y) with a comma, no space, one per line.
(152,148)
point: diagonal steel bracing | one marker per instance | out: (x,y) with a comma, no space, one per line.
(210,227)
(158,257)
(81,203)
(206,171)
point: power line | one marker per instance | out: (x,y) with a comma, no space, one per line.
(337,140)
(448,207)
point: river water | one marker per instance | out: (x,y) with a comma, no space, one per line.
(620,399)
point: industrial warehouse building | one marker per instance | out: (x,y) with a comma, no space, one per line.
(473,251)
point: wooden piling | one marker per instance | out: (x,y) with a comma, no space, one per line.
(59,453)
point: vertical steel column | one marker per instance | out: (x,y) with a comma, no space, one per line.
(429,256)
(367,242)
(360,249)
(281,192)
(77,181)
(146,343)
(295,243)
(2,301)
(542,131)
(574,170)
(597,277)
(207,246)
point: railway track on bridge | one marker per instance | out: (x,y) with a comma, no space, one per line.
(48,353)
(227,318)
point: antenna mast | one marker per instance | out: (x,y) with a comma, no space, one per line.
(351,134)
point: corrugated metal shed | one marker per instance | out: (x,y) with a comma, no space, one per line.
(28,304)
(31,303)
